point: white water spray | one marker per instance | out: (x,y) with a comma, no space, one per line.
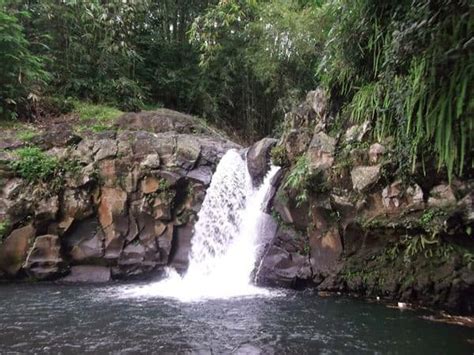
(225,242)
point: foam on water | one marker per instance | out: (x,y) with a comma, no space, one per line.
(225,242)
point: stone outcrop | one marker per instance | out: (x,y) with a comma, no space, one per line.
(258,158)
(321,152)
(44,260)
(88,273)
(352,225)
(15,248)
(124,205)
(364,177)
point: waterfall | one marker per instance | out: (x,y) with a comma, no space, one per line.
(225,243)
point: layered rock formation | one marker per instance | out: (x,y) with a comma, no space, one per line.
(349,223)
(121,203)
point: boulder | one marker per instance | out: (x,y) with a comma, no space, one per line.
(201,174)
(394,198)
(363,177)
(187,153)
(318,101)
(14,249)
(296,142)
(376,152)
(44,259)
(151,161)
(108,172)
(357,133)
(105,149)
(289,239)
(84,241)
(89,248)
(46,209)
(150,184)
(258,159)
(281,268)
(415,197)
(321,152)
(76,204)
(88,273)
(441,196)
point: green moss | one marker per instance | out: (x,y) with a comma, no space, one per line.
(36,166)
(95,112)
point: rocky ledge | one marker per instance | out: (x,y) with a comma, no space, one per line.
(347,221)
(96,206)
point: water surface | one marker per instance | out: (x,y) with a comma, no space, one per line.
(49,318)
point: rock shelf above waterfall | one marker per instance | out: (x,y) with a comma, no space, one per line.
(125,200)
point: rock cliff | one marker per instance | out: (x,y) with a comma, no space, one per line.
(348,221)
(115,204)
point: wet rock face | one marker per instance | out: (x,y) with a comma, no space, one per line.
(283,263)
(284,269)
(44,259)
(89,274)
(127,206)
(258,159)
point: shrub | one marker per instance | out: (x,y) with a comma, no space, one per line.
(278,156)
(4,229)
(34,165)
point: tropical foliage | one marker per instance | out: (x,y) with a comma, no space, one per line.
(406,66)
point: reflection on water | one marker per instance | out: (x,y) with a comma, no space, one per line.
(86,319)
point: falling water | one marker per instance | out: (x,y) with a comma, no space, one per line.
(225,242)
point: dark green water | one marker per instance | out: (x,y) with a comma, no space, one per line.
(53,319)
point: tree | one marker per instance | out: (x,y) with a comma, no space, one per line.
(22,74)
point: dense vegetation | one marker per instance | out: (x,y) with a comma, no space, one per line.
(407,66)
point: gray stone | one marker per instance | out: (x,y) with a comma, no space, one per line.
(364,177)
(105,148)
(202,174)
(258,159)
(281,268)
(179,259)
(441,196)
(151,161)
(321,151)
(44,259)
(14,249)
(357,133)
(376,152)
(89,274)
(318,101)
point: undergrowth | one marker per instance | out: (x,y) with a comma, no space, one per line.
(407,67)
(95,112)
